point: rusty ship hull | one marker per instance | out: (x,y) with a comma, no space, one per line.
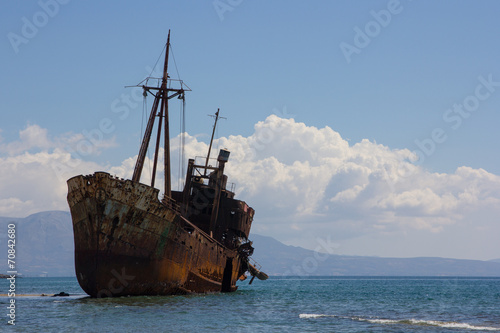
(127,242)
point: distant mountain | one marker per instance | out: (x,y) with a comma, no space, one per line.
(44,244)
(44,247)
(495,260)
(279,259)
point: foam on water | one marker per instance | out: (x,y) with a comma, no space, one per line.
(437,323)
(305,315)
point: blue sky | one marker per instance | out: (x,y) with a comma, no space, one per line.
(257,58)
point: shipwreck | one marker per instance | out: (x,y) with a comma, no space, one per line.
(129,241)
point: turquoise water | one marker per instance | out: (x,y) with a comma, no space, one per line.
(277,305)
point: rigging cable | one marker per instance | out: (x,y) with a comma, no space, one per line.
(144,110)
(182,137)
(148,150)
(183,142)
(145,106)
(144,113)
(156,63)
(217,138)
(180,147)
(175,64)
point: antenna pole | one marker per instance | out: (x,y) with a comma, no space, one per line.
(211,140)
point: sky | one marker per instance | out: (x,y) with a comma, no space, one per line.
(371,126)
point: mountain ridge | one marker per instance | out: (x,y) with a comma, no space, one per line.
(44,247)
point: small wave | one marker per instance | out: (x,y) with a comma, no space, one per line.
(443,324)
(312,315)
(436,323)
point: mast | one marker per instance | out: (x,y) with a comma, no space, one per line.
(164,111)
(211,140)
(145,142)
(161,102)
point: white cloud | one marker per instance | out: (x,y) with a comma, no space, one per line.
(304,183)
(314,171)
(35,138)
(35,169)
(14,206)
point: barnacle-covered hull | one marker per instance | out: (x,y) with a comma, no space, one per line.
(127,242)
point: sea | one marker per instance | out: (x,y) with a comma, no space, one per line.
(280,304)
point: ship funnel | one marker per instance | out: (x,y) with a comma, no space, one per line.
(223,155)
